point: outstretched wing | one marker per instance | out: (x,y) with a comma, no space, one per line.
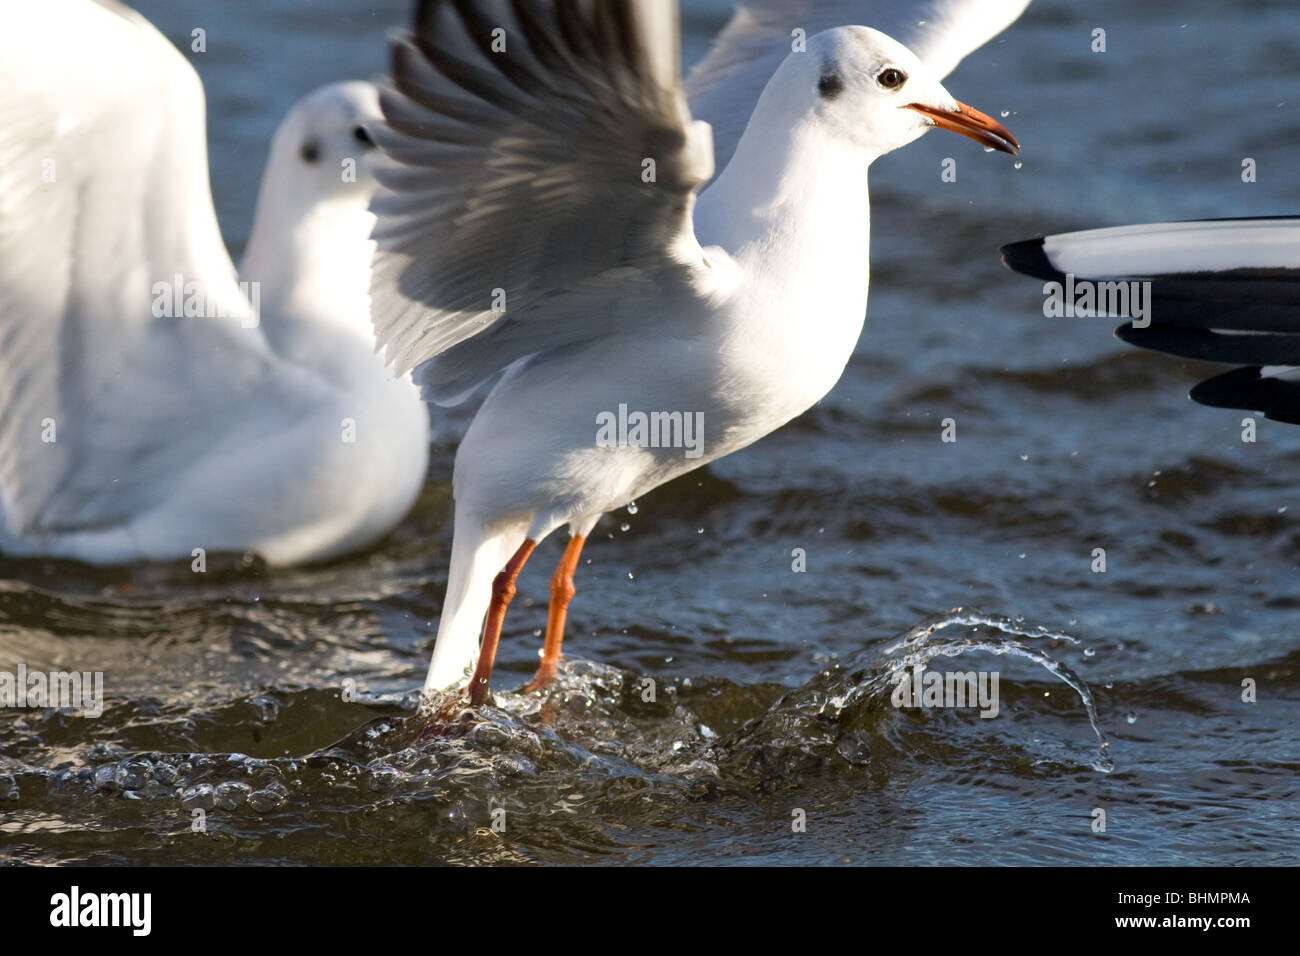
(104,195)
(1225,290)
(725,86)
(542,160)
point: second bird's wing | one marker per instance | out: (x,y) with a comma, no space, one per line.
(542,163)
(104,195)
(1222,290)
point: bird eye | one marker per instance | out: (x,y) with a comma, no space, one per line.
(362,135)
(310,151)
(891,78)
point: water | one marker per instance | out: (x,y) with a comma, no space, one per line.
(772,688)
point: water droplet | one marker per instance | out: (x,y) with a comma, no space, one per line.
(1089,652)
(1019,164)
(1131,718)
(625,527)
(1006,113)
(631,507)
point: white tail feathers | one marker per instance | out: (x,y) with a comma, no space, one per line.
(478,554)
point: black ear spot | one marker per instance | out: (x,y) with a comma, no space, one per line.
(830,85)
(310,151)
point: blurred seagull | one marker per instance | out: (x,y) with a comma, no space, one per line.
(150,402)
(543,220)
(1221,290)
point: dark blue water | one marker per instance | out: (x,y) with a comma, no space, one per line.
(772,690)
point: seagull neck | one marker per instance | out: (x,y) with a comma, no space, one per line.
(313,276)
(803,190)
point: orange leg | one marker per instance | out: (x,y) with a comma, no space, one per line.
(503,589)
(562,591)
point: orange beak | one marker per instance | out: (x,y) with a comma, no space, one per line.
(971,122)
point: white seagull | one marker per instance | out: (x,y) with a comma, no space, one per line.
(1221,290)
(151,403)
(543,220)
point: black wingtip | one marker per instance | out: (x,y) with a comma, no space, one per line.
(1201,344)
(1129,335)
(1240,388)
(1028,257)
(1209,345)
(1246,389)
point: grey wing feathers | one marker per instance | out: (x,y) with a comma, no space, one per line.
(533,148)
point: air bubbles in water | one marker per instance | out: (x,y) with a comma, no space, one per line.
(198,798)
(231,795)
(268,799)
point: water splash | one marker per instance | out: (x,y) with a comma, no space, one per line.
(594,743)
(918,650)
(840,710)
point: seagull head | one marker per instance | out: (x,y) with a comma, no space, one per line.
(875,92)
(324,148)
(310,242)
